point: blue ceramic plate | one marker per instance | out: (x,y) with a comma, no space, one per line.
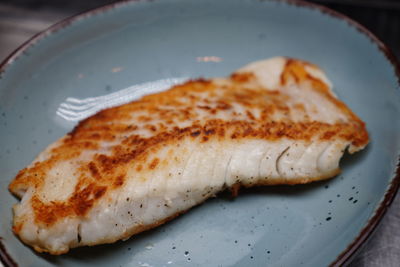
(119,52)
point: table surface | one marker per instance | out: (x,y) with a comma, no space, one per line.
(21,19)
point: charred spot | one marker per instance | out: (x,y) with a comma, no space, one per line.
(209,132)
(152,128)
(119,180)
(250,115)
(328,135)
(280,133)
(103,160)
(204,107)
(205,139)
(94,171)
(154,164)
(195,134)
(129,127)
(99,192)
(183,130)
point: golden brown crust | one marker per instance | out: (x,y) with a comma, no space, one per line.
(159,116)
(78,204)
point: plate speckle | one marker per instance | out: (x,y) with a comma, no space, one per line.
(138,44)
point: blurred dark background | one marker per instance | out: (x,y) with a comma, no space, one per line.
(21,19)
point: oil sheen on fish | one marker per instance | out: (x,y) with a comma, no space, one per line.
(133,167)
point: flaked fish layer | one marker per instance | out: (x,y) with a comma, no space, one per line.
(133,167)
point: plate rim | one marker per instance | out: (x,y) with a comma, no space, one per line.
(367,230)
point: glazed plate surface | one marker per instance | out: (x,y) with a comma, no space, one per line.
(118,53)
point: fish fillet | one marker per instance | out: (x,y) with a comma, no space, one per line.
(133,167)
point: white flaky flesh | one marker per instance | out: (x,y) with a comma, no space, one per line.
(195,171)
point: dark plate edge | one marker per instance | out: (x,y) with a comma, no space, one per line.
(366,231)
(348,254)
(5,258)
(55,28)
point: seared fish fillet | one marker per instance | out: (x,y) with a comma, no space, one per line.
(133,167)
